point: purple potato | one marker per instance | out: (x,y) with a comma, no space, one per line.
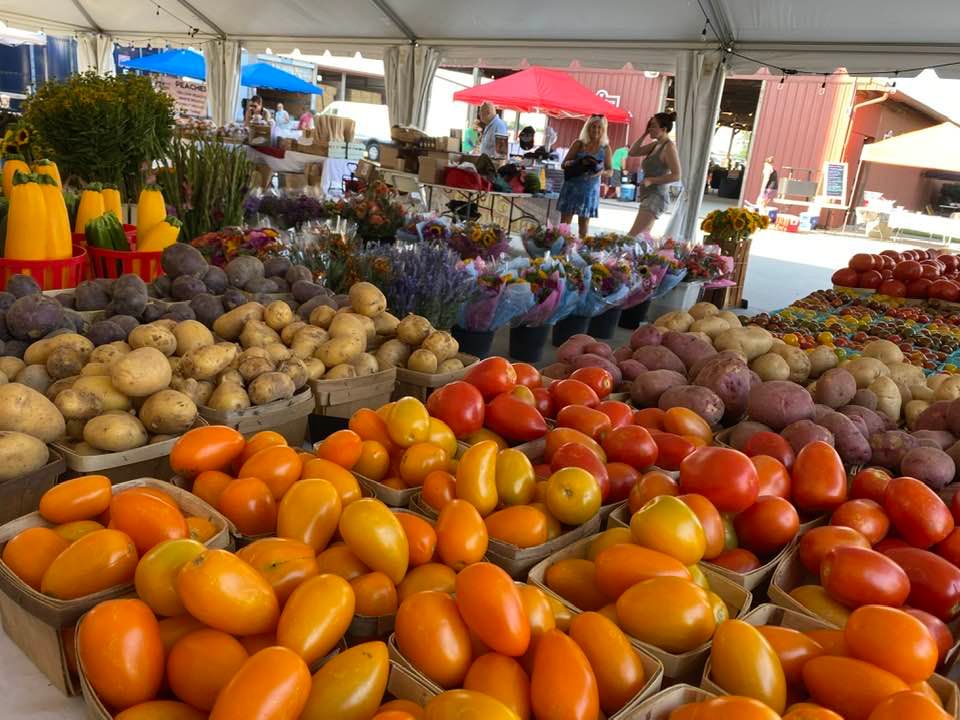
(931,466)
(803,432)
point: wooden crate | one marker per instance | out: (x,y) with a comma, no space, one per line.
(21,495)
(420,385)
(342,398)
(287,417)
(659,706)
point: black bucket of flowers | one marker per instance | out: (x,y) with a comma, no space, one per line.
(527,342)
(603,325)
(473,342)
(568,327)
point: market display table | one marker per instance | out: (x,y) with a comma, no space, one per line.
(506,209)
(291,161)
(27,693)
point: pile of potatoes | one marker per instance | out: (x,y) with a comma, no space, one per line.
(414,344)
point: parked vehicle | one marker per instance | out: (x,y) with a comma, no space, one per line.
(373,123)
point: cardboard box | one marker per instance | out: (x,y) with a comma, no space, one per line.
(447,144)
(366,171)
(390,157)
(432,170)
(314,148)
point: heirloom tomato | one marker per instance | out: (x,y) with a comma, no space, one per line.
(623,565)
(562,684)
(590,422)
(342,479)
(156,576)
(490,605)
(476,477)
(81,498)
(421,537)
(375,594)
(616,665)
(503,679)
(573,496)
(793,649)
(258,442)
(466,703)
(439,488)
(161,710)
(684,421)
(283,562)
(893,640)
(620,413)
(250,505)
(575,580)
(577,455)
(669,525)
(608,538)
(309,512)
(711,522)
(461,535)
(95,562)
(596,378)
(146,519)
(819,602)
(209,484)
(915,705)
(278,467)
(621,478)
(341,447)
(431,576)
(672,449)
(408,422)
(514,478)
(212,447)
(419,460)
(375,536)
(669,612)
(77,529)
(852,688)
(29,553)
(561,436)
(651,485)
(937,628)
(520,525)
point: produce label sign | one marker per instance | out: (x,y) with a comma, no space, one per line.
(835,181)
(189,97)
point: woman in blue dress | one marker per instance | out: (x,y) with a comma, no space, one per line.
(580,195)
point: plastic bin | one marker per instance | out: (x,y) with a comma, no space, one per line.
(50,274)
(114,263)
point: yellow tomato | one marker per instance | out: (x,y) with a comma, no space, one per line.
(516,482)
(669,612)
(77,529)
(442,436)
(350,685)
(608,538)
(156,575)
(553,525)
(815,599)
(476,477)
(484,434)
(316,616)
(573,496)
(419,460)
(467,704)
(699,579)
(408,422)
(374,461)
(309,512)
(376,537)
(743,663)
(721,613)
(667,524)
(524,395)
(431,576)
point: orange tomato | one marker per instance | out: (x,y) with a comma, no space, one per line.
(608,538)
(256,443)
(277,466)
(573,496)
(408,422)
(913,705)
(562,684)
(614,662)
(772,475)
(710,520)
(892,640)
(161,710)
(153,492)
(200,665)
(650,485)
(376,537)
(490,605)
(432,576)
(793,648)
(81,498)
(146,519)
(439,488)
(476,477)
(730,707)
(865,516)
(819,479)
(375,595)
(339,560)
(400,710)
(309,512)
(650,418)
(419,460)
(370,426)
(590,422)
(431,634)
(174,628)
(819,602)
(815,544)
(621,566)
(374,460)
(831,641)
(521,525)
(559,437)
(283,562)
(255,643)
(316,616)
(464,704)
(274,684)
(421,537)
(350,685)
(221,590)
(461,535)
(342,447)
(156,576)
(200,529)
(575,580)
(77,529)
(852,688)
(343,480)
(538,610)
(28,554)
(209,484)
(249,504)
(669,525)
(669,612)
(395,483)
(809,711)
(502,678)
(744,663)
(119,645)
(684,421)
(212,447)
(95,562)
(767,526)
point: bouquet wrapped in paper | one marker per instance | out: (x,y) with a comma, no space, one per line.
(477,240)
(576,281)
(424,227)
(495,300)
(674,255)
(611,279)
(649,270)
(609,242)
(543,239)
(544,280)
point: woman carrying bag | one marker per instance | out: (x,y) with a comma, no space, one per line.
(588,158)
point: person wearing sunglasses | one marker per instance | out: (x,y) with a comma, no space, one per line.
(587,160)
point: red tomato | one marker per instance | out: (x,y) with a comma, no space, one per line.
(892,288)
(871,279)
(577,455)
(917,512)
(767,526)
(954,507)
(864,516)
(772,476)
(769,443)
(650,418)
(725,477)
(459,405)
(620,413)
(739,560)
(492,376)
(934,582)
(671,450)
(907,271)
(949,548)
(937,628)
(527,375)
(543,401)
(573,392)
(514,420)
(870,484)
(919,289)
(632,445)
(587,420)
(846,277)
(889,543)
(598,379)
(816,543)
(622,477)
(819,480)
(861,262)
(857,576)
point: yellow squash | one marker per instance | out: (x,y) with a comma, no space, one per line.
(90,207)
(112,202)
(48,167)
(27,223)
(151,210)
(160,236)
(12,164)
(59,239)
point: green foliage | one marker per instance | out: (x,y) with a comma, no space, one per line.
(108,129)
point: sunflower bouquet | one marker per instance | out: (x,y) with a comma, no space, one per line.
(608,242)
(543,239)
(728,227)
(424,227)
(575,272)
(611,278)
(543,277)
(473,240)
(19,139)
(497,297)
(649,271)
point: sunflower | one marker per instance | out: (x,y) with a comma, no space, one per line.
(10,149)
(739,223)
(23,136)
(707,225)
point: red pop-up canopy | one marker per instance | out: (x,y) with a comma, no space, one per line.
(540,89)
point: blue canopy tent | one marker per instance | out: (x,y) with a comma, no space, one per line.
(182,63)
(264,75)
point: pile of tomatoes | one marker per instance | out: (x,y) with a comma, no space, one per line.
(913,273)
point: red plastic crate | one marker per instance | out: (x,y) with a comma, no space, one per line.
(49,274)
(114,263)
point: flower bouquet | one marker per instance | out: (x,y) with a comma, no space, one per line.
(424,227)
(332,251)
(649,270)
(494,302)
(222,246)
(608,242)
(285,211)
(543,239)
(473,240)
(703,263)
(377,212)
(727,228)
(674,256)
(611,279)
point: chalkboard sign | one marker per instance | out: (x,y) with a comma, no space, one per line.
(835,181)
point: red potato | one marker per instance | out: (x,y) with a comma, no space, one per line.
(631,369)
(573,346)
(646,335)
(649,386)
(689,348)
(779,403)
(657,357)
(598,348)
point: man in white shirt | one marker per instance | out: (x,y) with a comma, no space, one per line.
(493,127)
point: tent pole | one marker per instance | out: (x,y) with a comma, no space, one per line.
(210,24)
(87,16)
(391,14)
